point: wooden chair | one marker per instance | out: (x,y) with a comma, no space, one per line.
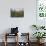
(8,34)
(27,37)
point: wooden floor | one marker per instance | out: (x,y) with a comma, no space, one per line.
(13,44)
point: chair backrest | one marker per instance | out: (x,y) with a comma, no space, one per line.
(14,30)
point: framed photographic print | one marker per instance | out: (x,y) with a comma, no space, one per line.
(41,12)
(41,8)
(17,13)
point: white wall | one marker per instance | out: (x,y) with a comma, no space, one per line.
(24,23)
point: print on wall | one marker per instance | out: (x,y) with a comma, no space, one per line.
(41,8)
(41,12)
(17,13)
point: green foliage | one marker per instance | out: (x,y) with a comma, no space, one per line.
(41,14)
(42,10)
(40,27)
(35,27)
(39,35)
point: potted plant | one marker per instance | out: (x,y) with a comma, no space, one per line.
(39,35)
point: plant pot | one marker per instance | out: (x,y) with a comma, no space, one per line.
(40,41)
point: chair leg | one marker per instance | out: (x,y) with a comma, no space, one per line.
(5,40)
(17,41)
(5,43)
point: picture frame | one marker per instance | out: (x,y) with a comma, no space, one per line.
(41,12)
(17,13)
